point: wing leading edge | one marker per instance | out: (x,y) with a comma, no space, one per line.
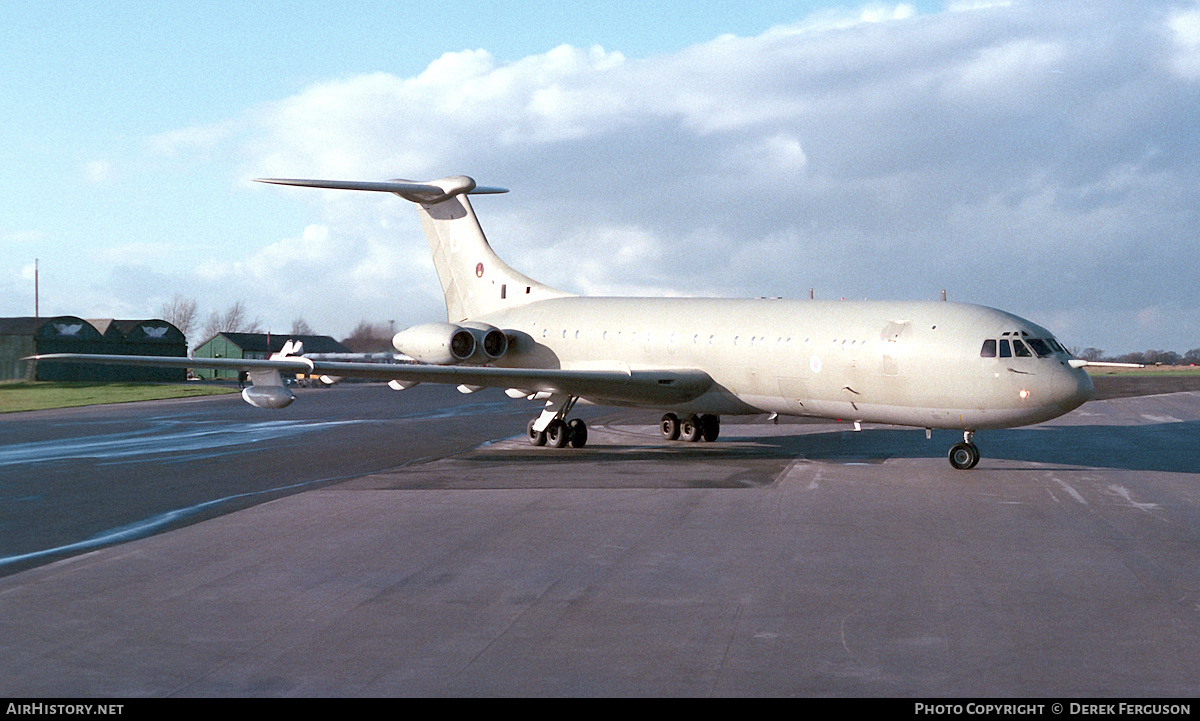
(656,386)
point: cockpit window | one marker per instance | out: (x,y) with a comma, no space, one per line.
(1040,347)
(1020,344)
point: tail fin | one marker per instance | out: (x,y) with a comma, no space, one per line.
(474,279)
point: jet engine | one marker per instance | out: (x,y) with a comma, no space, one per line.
(441,344)
(490,342)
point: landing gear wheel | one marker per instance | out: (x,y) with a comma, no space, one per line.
(964,456)
(536,438)
(669,425)
(577,431)
(689,429)
(557,434)
(710,427)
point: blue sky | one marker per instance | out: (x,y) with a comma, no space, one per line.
(1037,157)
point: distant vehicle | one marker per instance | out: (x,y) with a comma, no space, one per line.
(929,365)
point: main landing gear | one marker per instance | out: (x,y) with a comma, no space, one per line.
(691,427)
(965,455)
(558,432)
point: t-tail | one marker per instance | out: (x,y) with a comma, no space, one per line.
(474,279)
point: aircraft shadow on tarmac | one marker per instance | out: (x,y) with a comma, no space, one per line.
(1166,447)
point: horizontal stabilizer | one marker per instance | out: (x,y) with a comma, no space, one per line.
(428,193)
(1080,363)
(475,281)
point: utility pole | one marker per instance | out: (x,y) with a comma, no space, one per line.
(37,308)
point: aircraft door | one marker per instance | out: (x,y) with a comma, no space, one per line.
(795,394)
(890,341)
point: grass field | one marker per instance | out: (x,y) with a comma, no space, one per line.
(33,396)
(1148,371)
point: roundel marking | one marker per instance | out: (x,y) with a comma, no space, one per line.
(815,364)
(479,270)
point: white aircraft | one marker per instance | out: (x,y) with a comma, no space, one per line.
(928,365)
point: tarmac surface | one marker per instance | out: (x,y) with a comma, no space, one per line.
(369,543)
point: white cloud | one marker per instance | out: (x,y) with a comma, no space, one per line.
(971,5)
(1183,28)
(832,19)
(1041,158)
(1007,71)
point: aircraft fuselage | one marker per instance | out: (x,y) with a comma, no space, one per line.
(907,363)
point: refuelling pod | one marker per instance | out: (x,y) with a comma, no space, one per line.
(441,344)
(267,390)
(491,343)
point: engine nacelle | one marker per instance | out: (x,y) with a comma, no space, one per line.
(268,396)
(490,342)
(441,344)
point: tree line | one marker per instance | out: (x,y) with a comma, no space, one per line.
(183,313)
(1149,357)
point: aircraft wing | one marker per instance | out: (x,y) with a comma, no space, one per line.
(650,386)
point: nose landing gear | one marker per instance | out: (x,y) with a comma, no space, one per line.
(965,455)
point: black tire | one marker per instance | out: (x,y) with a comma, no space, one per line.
(536,438)
(557,434)
(963,456)
(710,427)
(689,429)
(669,426)
(577,432)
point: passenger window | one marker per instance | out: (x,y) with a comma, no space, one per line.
(1005,351)
(989,349)
(1020,349)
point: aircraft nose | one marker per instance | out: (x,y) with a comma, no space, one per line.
(1072,388)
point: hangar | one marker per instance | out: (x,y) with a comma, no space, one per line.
(26,336)
(257,345)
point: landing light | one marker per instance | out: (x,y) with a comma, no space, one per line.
(1024,394)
